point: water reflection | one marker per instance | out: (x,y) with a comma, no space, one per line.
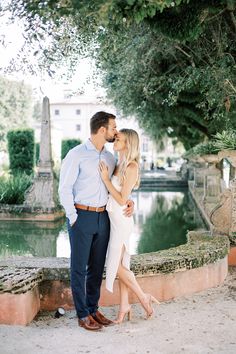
(161,221)
(33,239)
(167,224)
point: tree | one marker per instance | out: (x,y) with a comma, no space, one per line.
(37,111)
(168,73)
(169,63)
(15,107)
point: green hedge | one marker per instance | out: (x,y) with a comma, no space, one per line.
(68,144)
(21,151)
(37,145)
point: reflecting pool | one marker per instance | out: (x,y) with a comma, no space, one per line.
(162,219)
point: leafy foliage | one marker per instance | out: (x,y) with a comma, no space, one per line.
(37,147)
(13,188)
(68,144)
(21,151)
(206,148)
(169,63)
(173,86)
(15,107)
(226,140)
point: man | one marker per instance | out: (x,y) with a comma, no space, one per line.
(84,197)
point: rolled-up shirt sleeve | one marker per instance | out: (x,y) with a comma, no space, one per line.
(68,176)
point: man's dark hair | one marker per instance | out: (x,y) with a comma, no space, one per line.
(100,119)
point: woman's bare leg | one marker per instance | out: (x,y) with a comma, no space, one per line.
(124,296)
(127,281)
(128,278)
(124,306)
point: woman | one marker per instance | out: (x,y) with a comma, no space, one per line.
(124,179)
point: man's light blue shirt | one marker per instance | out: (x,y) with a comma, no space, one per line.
(80,180)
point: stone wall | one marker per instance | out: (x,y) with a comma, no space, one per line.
(28,284)
(201,249)
(27,213)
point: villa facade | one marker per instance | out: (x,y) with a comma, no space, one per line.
(70,118)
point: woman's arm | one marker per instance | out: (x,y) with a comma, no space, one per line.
(129,182)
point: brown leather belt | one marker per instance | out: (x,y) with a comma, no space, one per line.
(90,208)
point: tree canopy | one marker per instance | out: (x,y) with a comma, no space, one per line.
(15,107)
(183,89)
(169,63)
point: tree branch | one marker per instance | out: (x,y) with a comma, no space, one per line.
(233,20)
(230,10)
(186,54)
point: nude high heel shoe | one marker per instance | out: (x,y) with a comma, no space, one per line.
(147,304)
(122,315)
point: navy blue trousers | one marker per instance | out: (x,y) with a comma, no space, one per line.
(89,238)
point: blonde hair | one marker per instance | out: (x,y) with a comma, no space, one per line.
(132,154)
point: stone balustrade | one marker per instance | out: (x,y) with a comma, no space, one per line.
(216,202)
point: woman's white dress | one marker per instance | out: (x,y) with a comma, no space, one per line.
(121,229)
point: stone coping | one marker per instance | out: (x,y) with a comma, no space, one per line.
(19,280)
(26,213)
(201,249)
(20,208)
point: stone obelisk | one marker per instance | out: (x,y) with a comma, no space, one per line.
(42,193)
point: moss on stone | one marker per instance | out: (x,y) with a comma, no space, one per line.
(19,280)
(201,249)
(232,238)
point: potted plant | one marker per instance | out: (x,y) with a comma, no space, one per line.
(207,151)
(225,142)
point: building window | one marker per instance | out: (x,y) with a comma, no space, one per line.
(78,127)
(78,112)
(57,112)
(145,146)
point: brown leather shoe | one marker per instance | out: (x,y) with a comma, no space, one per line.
(100,318)
(90,324)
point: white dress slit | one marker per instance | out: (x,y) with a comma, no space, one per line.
(120,232)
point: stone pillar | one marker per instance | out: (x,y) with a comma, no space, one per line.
(230,155)
(42,194)
(212,180)
(45,165)
(190,171)
(232,172)
(199,173)
(232,231)
(194,164)
(233,208)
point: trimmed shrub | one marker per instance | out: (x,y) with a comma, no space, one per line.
(37,145)
(68,144)
(13,188)
(21,151)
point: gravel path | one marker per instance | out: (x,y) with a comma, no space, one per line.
(201,323)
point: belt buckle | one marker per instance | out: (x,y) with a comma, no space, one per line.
(97,211)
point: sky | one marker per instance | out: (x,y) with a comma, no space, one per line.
(11,41)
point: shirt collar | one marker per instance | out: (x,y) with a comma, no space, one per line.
(89,145)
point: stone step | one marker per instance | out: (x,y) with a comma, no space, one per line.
(155,183)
